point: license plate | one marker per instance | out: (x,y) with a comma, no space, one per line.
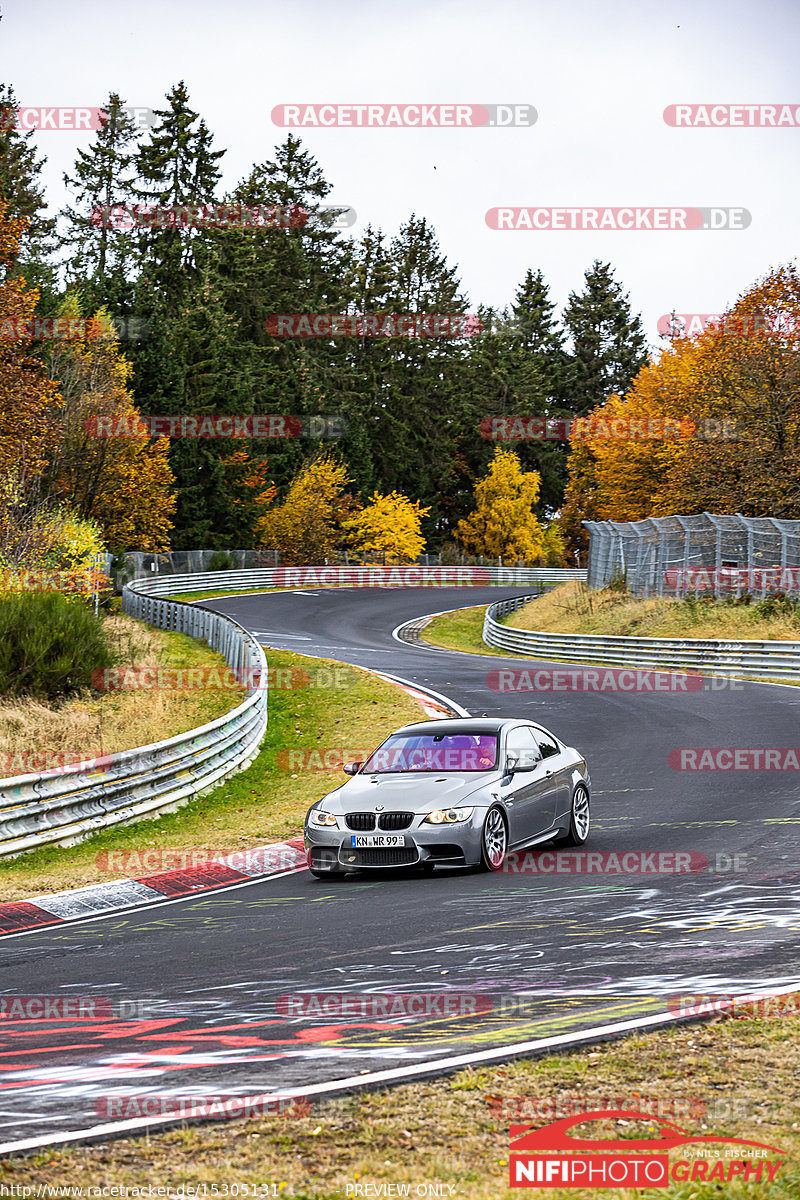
(363,840)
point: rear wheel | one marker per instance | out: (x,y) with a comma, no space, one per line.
(494,841)
(579,821)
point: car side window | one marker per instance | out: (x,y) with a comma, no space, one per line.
(522,744)
(547,747)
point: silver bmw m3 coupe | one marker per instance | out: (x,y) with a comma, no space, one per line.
(462,792)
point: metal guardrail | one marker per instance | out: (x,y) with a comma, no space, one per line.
(69,804)
(411,575)
(65,805)
(775,661)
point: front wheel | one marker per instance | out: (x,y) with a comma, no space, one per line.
(579,821)
(494,841)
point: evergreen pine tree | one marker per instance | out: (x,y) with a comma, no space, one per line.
(608,345)
(177,168)
(104,176)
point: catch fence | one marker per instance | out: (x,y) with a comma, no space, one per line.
(706,554)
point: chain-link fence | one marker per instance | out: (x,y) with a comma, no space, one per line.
(141,565)
(705,554)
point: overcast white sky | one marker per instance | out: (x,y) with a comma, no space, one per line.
(599,74)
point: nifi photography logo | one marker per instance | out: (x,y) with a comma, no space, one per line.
(552,1157)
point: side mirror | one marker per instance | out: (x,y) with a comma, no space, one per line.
(520,762)
(352,768)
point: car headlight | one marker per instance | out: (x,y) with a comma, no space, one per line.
(320,817)
(448,816)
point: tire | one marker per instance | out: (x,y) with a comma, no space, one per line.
(494,841)
(326,874)
(579,820)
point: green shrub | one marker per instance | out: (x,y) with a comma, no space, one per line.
(777,604)
(220,561)
(49,646)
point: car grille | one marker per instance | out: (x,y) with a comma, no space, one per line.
(360,821)
(377,857)
(395,820)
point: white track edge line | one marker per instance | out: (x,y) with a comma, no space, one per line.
(433,1066)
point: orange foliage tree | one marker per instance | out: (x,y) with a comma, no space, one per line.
(28,399)
(125,483)
(713,424)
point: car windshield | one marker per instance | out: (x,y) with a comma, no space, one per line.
(434,752)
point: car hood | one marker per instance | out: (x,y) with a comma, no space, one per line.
(408,793)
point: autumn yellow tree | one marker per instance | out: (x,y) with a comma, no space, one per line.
(306,526)
(387,529)
(554,547)
(503,524)
(125,482)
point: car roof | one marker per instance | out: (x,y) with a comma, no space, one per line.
(461,725)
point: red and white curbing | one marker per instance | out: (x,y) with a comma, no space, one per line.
(100,899)
(238,867)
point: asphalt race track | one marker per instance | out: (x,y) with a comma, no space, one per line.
(553,953)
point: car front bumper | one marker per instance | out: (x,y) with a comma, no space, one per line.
(456,845)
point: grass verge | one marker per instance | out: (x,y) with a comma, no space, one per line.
(461,630)
(105,722)
(575,608)
(735,1076)
(343,710)
(215,595)
(572,608)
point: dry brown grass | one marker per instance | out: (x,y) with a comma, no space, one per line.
(574,608)
(91,725)
(736,1077)
(265,803)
